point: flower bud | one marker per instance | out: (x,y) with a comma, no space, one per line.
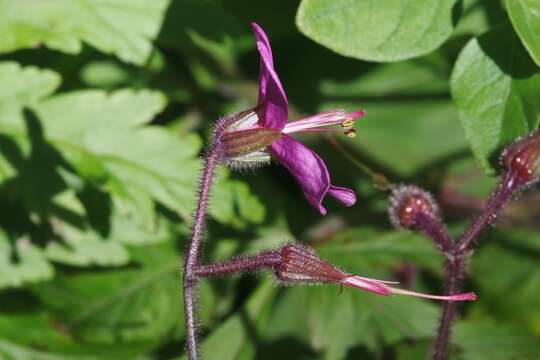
(300,264)
(407,202)
(415,209)
(523,159)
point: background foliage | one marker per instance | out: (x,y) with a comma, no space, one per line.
(105,105)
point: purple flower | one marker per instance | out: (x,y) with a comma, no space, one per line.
(252,136)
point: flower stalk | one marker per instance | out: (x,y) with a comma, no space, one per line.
(414,209)
(263,260)
(192,259)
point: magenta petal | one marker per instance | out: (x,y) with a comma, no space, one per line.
(272,107)
(345,196)
(310,172)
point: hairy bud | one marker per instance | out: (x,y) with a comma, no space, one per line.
(415,209)
(300,264)
(522,159)
(407,202)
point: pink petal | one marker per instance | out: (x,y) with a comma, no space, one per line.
(273,105)
(371,285)
(310,172)
(345,196)
(380,287)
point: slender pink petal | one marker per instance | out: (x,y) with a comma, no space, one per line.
(310,172)
(345,196)
(381,288)
(470,296)
(273,105)
(357,114)
(370,285)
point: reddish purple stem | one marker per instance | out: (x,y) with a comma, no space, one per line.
(194,270)
(454,273)
(268,259)
(433,228)
(192,258)
(456,263)
(492,208)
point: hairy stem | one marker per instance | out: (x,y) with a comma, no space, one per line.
(454,273)
(268,259)
(433,228)
(458,254)
(498,200)
(192,259)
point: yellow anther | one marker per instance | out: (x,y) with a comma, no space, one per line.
(347,123)
(350,133)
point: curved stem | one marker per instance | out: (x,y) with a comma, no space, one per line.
(498,200)
(434,229)
(192,259)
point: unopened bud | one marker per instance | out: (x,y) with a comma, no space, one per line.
(523,158)
(301,264)
(407,202)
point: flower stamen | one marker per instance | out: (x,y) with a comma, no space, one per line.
(323,122)
(350,133)
(347,123)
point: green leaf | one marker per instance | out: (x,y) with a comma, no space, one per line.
(234,204)
(332,322)
(80,248)
(139,305)
(485,340)
(496,88)
(425,76)
(378,30)
(39,336)
(478,17)
(124,28)
(511,288)
(27,84)
(30,266)
(102,136)
(525,16)
(365,249)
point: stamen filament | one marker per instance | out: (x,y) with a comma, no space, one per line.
(328,118)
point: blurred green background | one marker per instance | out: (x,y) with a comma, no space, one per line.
(105,107)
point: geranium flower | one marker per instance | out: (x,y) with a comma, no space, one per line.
(252,136)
